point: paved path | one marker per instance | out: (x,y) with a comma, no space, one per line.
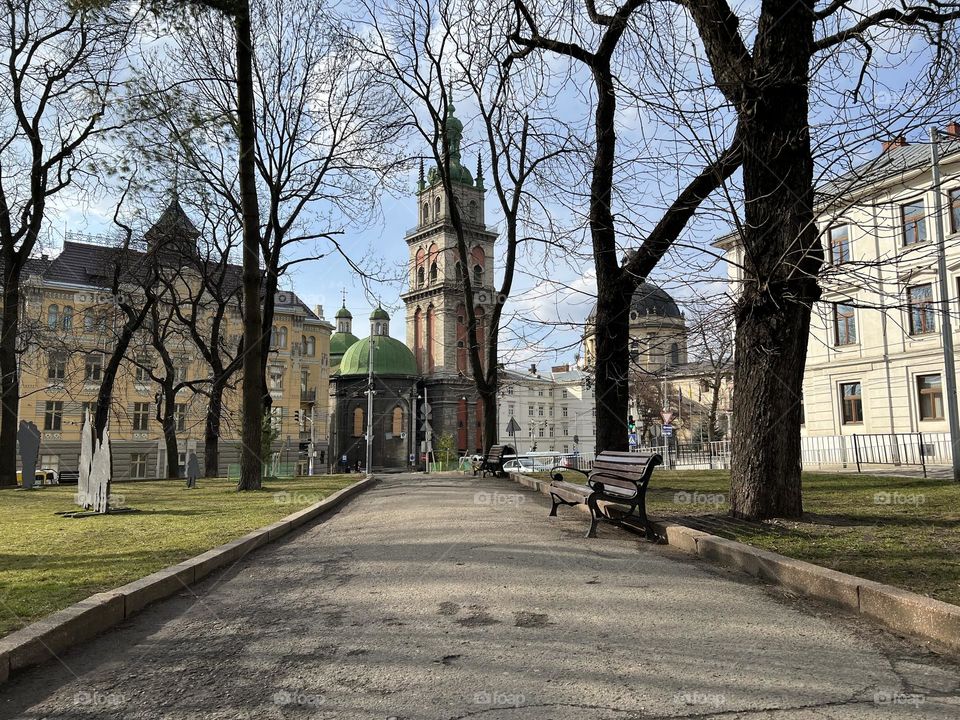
(458,598)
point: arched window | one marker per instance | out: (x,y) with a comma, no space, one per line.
(458,272)
(67,317)
(426,213)
(472,211)
(358,422)
(53,314)
(429,339)
(397,420)
(421,277)
(674,354)
(478,275)
(311,346)
(436,208)
(89,320)
(433,272)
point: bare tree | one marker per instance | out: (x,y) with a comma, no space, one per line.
(60,70)
(711,345)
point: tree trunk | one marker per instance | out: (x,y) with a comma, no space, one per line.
(211,436)
(714,405)
(251,466)
(169,425)
(488,396)
(782,257)
(611,327)
(10,382)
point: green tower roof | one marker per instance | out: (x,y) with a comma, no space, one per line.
(343,313)
(379,314)
(340,342)
(390,357)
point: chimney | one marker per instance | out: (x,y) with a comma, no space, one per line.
(560,368)
(898,141)
(319,311)
(953,129)
(533,368)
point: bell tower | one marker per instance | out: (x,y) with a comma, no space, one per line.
(436,314)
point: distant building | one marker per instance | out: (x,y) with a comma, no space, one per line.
(875,357)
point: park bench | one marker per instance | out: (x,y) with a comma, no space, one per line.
(617,477)
(494,459)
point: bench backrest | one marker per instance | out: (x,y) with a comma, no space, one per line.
(497,452)
(624,469)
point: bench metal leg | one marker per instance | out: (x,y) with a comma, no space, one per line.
(595,516)
(557,502)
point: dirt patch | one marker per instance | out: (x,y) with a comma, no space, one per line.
(526,619)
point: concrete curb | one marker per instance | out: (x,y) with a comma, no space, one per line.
(46,638)
(899,610)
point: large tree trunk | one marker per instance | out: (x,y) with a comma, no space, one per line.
(612,330)
(782,257)
(169,425)
(251,466)
(9,377)
(211,433)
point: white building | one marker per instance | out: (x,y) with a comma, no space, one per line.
(555,411)
(875,358)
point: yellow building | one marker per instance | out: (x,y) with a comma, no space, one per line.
(71,323)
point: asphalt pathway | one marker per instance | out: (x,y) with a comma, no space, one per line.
(452,597)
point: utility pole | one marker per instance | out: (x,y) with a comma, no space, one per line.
(369,458)
(950,369)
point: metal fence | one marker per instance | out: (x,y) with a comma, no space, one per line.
(917,449)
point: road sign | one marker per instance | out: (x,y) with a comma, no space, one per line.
(513,427)
(667,416)
(667,430)
(633,440)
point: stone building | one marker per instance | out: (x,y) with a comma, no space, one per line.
(71,322)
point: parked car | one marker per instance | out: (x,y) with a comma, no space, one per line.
(42,476)
(528,465)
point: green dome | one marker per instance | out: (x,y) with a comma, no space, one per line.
(379,314)
(390,357)
(343,313)
(340,342)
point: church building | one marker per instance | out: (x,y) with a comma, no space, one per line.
(429,376)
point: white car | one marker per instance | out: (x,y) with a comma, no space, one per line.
(527,465)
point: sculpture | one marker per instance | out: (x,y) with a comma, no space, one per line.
(28,437)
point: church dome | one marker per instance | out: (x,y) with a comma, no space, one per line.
(340,342)
(648,300)
(390,357)
(343,313)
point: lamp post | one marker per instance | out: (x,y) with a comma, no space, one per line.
(949,368)
(369,458)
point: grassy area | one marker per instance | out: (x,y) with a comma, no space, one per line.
(900,531)
(49,562)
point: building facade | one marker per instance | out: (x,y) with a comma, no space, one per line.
(875,357)
(72,320)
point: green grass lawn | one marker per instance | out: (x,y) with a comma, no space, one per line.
(894,530)
(49,562)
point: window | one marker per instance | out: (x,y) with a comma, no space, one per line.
(845,325)
(511,409)
(90,407)
(920,304)
(311,346)
(57,366)
(540,392)
(458,273)
(930,397)
(851,403)
(914,227)
(954,210)
(142,373)
(276,378)
(67,317)
(551,431)
(510,390)
(433,272)
(53,315)
(180,413)
(276,419)
(89,320)
(540,410)
(358,422)
(278,338)
(530,410)
(304,380)
(426,213)
(564,394)
(93,368)
(138,465)
(53,415)
(436,208)
(564,411)
(141,416)
(838,238)
(421,277)
(477,275)
(397,420)
(181,371)
(540,431)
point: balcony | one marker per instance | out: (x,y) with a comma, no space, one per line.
(308,396)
